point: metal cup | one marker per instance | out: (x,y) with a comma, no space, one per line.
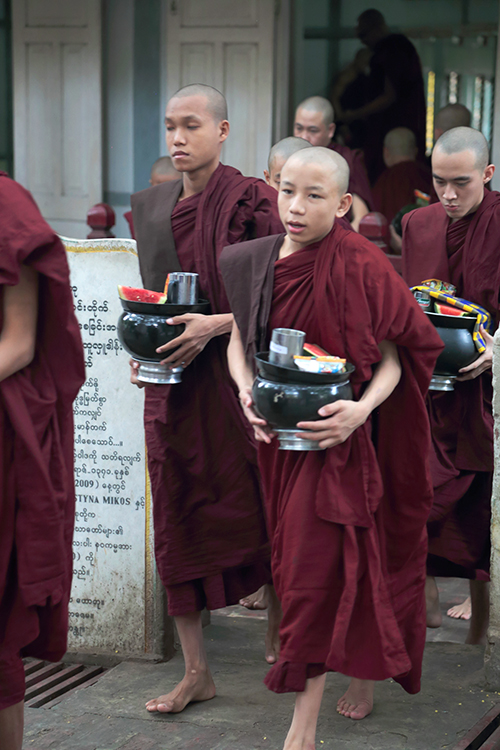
(285,342)
(182,288)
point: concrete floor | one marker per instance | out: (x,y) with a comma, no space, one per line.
(246,716)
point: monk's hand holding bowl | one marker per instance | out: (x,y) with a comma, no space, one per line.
(261,428)
(198,332)
(482,363)
(341,419)
(134,372)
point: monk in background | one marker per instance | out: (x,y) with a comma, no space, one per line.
(395,188)
(457,241)
(314,121)
(41,371)
(451,116)
(347,522)
(395,86)
(162,171)
(210,533)
(278,155)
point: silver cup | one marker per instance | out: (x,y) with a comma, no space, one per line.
(182,288)
(285,342)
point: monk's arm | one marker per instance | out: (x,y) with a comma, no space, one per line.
(359,209)
(198,332)
(242,374)
(379,104)
(20,315)
(343,417)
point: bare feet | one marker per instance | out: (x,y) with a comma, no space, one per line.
(197,686)
(358,700)
(434,616)
(259,600)
(274,616)
(461,611)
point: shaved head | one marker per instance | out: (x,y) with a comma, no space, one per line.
(163,167)
(452,116)
(216,102)
(371,18)
(321,105)
(400,145)
(458,140)
(285,148)
(334,164)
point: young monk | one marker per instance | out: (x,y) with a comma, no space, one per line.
(456,240)
(41,371)
(347,522)
(210,534)
(315,122)
(278,155)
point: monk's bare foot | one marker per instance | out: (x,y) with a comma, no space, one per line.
(257,600)
(357,703)
(461,611)
(274,616)
(434,616)
(194,687)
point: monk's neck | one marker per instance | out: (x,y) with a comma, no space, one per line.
(289,246)
(196,181)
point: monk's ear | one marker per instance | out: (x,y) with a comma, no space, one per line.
(223,130)
(488,173)
(331,130)
(267,177)
(344,205)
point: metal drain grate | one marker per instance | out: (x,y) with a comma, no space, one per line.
(47,684)
(485,735)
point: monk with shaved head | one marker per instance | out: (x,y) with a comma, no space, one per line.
(278,155)
(403,175)
(347,522)
(315,122)
(210,534)
(451,116)
(456,240)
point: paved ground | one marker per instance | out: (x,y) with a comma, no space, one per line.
(245,716)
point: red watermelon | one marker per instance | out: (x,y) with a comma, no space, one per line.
(131,294)
(449,310)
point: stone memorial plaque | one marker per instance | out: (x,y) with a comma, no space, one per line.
(112,548)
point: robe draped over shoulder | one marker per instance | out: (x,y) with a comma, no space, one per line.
(465,254)
(210,534)
(347,524)
(37,496)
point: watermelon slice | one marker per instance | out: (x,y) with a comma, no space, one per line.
(165,290)
(130,294)
(449,310)
(314,350)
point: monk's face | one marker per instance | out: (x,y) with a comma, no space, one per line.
(309,200)
(194,138)
(273,178)
(458,182)
(311,127)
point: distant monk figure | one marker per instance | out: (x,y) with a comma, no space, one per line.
(278,155)
(347,521)
(403,174)
(457,241)
(451,116)
(395,86)
(41,371)
(162,171)
(314,121)
(210,533)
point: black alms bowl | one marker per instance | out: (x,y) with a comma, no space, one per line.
(459,348)
(284,396)
(143,327)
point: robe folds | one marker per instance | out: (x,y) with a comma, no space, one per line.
(37,496)
(395,188)
(464,253)
(210,534)
(347,524)
(358,177)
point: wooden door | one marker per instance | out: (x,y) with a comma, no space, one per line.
(228,44)
(57,107)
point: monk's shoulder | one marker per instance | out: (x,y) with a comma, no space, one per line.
(414,220)
(155,194)
(364,259)
(243,256)
(19,214)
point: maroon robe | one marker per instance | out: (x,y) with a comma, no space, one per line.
(466,254)
(210,534)
(358,178)
(347,524)
(395,188)
(37,496)
(128,216)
